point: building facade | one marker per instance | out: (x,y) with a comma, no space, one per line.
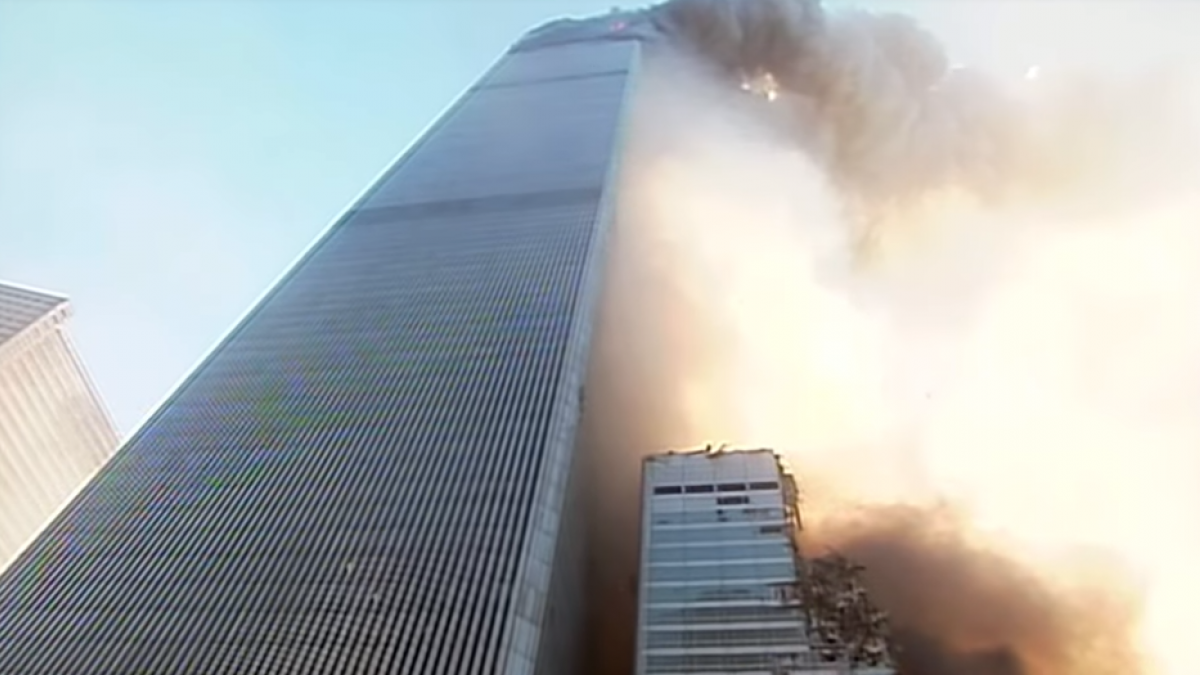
(54,430)
(717,554)
(374,471)
(723,587)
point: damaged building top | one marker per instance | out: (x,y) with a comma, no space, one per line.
(723,584)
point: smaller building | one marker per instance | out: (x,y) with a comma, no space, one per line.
(54,431)
(722,585)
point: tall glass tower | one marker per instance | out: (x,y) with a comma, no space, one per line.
(374,472)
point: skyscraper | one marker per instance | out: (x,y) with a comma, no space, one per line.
(375,471)
(54,431)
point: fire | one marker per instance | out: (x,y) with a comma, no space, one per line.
(761,84)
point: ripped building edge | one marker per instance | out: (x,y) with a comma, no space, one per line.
(724,584)
(643,25)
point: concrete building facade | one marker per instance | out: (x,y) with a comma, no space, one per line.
(724,587)
(54,430)
(716,556)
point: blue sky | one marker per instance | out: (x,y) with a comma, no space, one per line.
(162,162)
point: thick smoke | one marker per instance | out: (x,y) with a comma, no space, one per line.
(873,95)
(875,99)
(963,609)
(995,411)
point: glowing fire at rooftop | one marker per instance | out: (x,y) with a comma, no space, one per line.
(761,84)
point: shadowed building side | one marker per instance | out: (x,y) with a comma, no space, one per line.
(54,429)
(375,471)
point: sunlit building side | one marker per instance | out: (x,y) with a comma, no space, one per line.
(54,429)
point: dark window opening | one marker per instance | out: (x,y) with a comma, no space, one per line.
(692,489)
(668,490)
(731,487)
(771,529)
(765,485)
(739,499)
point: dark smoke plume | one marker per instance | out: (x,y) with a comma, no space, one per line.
(876,99)
(873,94)
(961,609)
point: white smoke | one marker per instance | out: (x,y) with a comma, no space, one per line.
(1029,355)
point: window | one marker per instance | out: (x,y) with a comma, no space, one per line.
(721,662)
(668,490)
(724,614)
(765,485)
(706,535)
(731,487)
(693,489)
(739,499)
(725,571)
(725,637)
(713,552)
(709,593)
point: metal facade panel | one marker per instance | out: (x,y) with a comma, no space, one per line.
(54,432)
(715,553)
(549,136)
(573,61)
(21,307)
(348,483)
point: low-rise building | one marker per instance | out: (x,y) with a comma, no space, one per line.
(723,587)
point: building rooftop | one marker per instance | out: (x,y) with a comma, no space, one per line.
(616,25)
(21,307)
(717,464)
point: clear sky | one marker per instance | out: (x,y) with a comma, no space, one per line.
(162,162)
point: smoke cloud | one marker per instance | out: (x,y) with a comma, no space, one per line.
(877,102)
(992,406)
(965,609)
